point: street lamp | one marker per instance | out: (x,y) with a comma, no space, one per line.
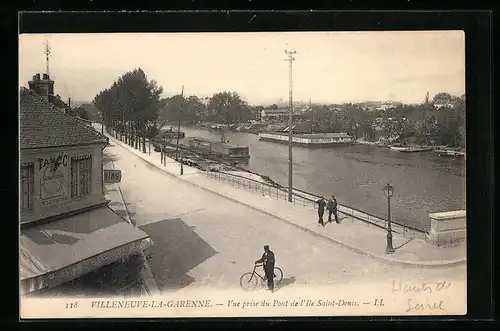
(389,192)
(290,58)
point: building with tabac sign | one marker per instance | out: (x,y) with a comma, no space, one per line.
(67,230)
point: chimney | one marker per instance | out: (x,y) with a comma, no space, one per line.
(37,77)
(45,76)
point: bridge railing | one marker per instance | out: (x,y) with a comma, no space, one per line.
(308,200)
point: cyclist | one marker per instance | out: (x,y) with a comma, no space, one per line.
(268,261)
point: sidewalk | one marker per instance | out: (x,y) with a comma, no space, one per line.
(113,193)
(351,233)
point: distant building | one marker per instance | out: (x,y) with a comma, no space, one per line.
(368,108)
(279,115)
(67,228)
(389,105)
(440,104)
(335,109)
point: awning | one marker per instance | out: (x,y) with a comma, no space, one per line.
(57,252)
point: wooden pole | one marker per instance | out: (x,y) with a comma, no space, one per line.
(179,123)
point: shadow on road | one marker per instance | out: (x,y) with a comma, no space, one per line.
(177,249)
(285,282)
(403,244)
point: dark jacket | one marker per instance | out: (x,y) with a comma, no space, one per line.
(268,259)
(321,206)
(332,205)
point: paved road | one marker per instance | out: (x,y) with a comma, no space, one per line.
(202,239)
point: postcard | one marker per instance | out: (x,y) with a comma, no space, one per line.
(261,174)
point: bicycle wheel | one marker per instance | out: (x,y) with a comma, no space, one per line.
(278,275)
(248,281)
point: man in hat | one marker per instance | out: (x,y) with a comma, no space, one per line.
(267,260)
(332,209)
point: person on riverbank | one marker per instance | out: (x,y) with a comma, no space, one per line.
(321,210)
(332,209)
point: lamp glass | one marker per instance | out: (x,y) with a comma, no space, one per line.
(388,190)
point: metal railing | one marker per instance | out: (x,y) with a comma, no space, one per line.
(308,200)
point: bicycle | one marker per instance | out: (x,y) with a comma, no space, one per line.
(250,280)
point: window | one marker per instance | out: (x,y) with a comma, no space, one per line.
(26,189)
(81,169)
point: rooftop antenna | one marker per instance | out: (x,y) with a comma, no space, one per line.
(47,56)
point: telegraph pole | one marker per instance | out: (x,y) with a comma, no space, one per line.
(47,56)
(290,58)
(311,109)
(179,123)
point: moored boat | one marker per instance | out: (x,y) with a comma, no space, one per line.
(449,153)
(411,149)
(309,139)
(218,149)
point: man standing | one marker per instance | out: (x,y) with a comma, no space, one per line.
(321,210)
(267,260)
(332,209)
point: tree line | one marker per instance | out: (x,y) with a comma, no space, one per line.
(421,124)
(223,107)
(132,110)
(129,107)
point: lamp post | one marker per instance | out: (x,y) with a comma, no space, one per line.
(389,192)
(290,58)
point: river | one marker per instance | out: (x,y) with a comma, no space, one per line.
(423,182)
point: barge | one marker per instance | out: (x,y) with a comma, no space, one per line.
(310,139)
(411,149)
(170,134)
(218,149)
(450,153)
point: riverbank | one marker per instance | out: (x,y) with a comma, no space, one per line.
(424,182)
(350,233)
(257,128)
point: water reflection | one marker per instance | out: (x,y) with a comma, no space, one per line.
(424,182)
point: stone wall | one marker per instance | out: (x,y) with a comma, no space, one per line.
(448,228)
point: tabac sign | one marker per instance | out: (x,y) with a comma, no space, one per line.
(53,178)
(112,176)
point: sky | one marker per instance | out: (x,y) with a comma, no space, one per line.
(330,67)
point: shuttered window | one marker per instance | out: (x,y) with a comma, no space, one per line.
(81,170)
(26,186)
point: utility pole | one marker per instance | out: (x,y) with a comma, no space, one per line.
(179,123)
(290,58)
(312,123)
(47,56)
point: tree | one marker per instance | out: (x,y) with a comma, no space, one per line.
(130,106)
(83,113)
(228,107)
(171,111)
(194,110)
(443,98)
(273,106)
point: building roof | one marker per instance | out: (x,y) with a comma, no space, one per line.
(43,125)
(275,111)
(79,243)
